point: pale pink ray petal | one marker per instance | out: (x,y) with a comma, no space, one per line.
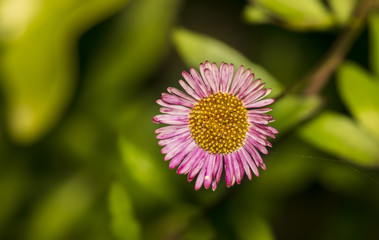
(224,76)
(261,103)
(218,171)
(257,96)
(211,80)
(189,90)
(262,129)
(244,164)
(169,119)
(257,120)
(254,154)
(255,86)
(245,85)
(200,82)
(175,139)
(170,134)
(175,161)
(181,94)
(187,163)
(260,110)
(202,72)
(173,99)
(260,147)
(236,79)
(236,168)
(209,171)
(172,111)
(229,176)
(173,106)
(170,128)
(175,149)
(201,175)
(230,77)
(193,83)
(197,166)
(216,76)
(246,157)
(241,81)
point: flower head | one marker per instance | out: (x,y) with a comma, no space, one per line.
(218,122)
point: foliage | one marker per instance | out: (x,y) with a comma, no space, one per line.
(78,154)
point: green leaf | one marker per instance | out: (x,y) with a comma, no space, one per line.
(145,170)
(15,186)
(343,9)
(252,227)
(55,215)
(195,48)
(339,135)
(123,223)
(374,42)
(298,15)
(200,229)
(38,61)
(139,41)
(256,14)
(291,110)
(359,90)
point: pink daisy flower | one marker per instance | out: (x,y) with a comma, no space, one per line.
(217,123)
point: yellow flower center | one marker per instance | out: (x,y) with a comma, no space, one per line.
(219,123)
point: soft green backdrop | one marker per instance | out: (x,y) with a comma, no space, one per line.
(78,84)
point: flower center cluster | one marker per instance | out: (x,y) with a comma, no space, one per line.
(219,123)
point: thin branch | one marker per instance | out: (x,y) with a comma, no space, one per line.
(320,76)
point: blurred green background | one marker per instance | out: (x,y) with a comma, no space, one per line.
(78,84)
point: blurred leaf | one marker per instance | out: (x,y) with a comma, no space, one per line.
(200,229)
(256,14)
(38,60)
(297,14)
(374,42)
(172,223)
(339,135)
(343,9)
(138,41)
(123,222)
(14,186)
(339,178)
(195,48)
(57,213)
(359,90)
(291,110)
(145,171)
(250,227)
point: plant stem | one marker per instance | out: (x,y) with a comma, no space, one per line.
(320,76)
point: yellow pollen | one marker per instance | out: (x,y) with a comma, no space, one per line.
(219,123)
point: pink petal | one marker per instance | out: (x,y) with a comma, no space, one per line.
(189,90)
(209,171)
(181,94)
(173,99)
(177,107)
(189,161)
(260,103)
(202,72)
(171,119)
(201,176)
(179,157)
(170,134)
(244,77)
(246,157)
(200,82)
(244,164)
(216,76)
(236,79)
